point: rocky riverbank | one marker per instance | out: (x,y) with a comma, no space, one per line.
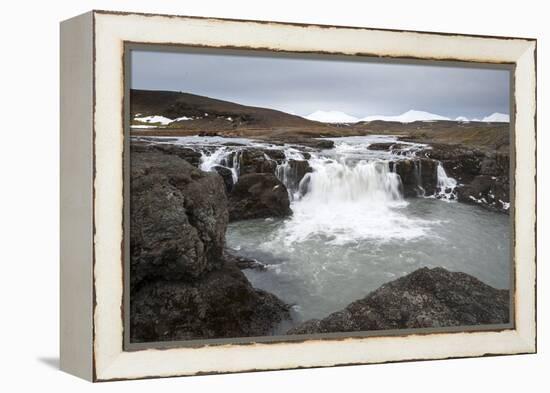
(182,285)
(482,175)
(425,298)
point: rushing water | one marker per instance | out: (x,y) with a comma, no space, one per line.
(351,230)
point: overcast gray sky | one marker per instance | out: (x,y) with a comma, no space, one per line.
(302,86)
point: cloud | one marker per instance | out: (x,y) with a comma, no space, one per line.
(305,85)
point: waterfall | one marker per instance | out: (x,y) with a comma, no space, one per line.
(369,182)
(418,175)
(221,157)
(339,196)
(349,201)
(445,185)
(288,173)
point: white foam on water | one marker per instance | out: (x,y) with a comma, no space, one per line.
(445,185)
(347,203)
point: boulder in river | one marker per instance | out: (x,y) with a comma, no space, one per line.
(425,298)
(255,161)
(258,195)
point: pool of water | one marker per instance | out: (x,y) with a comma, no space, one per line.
(323,271)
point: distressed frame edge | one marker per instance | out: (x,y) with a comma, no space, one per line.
(528,340)
(76,196)
(304,24)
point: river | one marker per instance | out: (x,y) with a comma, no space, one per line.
(351,229)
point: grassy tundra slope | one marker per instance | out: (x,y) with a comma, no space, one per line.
(208,115)
(211,115)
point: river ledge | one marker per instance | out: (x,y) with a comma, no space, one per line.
(186,285)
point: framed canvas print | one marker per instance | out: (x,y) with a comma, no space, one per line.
(246,195)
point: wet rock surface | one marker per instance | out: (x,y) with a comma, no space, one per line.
(178,217)
(243,262)
(391,146)
(255,161)
(425,298)
(226,175)
(191,156)
(418,176)
(182,286)
(293,172)
(258,195)
(483,176)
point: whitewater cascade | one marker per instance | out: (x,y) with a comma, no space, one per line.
(221,157)
(348,193)
(349,171)
(369,182)
(445,185)
(347,203)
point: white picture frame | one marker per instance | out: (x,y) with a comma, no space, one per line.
(92,195)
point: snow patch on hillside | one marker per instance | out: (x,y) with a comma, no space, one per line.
(331,117)
(497,118)
(154,120)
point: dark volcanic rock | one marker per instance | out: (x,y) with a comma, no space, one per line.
(321,144)
(191,156)
(410,177)
(208,133)
(300,142)
(243,262)
(461,163)
(258,195)
(178,217)
(428,175)
(424,298)
(418,176)
(220,304)
(293,172)
(255,161)
(274,154)
(484,177)
(488,191)
(386,146)
(182,284)
(226,175)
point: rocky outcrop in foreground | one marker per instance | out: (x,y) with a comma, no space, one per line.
(181,284)
(424,298)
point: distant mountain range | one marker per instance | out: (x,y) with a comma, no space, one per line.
(407,117)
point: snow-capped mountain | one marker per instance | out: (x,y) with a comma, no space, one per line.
(407,117)
(331,117)
(497,118)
